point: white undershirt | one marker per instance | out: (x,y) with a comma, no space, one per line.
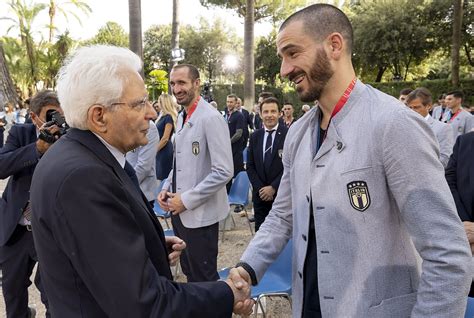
(265,138)
(118,155)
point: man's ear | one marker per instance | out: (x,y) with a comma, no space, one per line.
(336,45)
(97,119)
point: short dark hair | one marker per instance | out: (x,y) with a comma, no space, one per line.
(232,96)
(270,100)
(406,91)
(192,70)
(320,20)
(289,103)
(423,94)
(457,94)
(442,96)
(43,99)
(265,95)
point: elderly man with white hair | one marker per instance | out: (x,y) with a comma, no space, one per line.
(102,251)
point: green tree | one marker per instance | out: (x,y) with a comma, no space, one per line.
(111,33)
(25,14)
(62,7)
(261,9)
(267,63)
(390,34)
(205,46)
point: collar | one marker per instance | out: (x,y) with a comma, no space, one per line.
(120,157)
(427,117)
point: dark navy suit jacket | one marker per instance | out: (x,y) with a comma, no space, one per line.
(101,249)
(18,159)
(255,166)
(460,176)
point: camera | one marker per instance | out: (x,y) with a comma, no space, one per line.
(53,117)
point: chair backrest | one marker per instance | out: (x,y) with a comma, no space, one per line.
(469,308)
(239,192)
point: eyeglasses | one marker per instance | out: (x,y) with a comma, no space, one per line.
(139,105)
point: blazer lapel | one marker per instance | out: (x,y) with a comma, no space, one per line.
(276,142)
(259,148)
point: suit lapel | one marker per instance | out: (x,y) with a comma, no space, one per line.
(259,148)
(276,142)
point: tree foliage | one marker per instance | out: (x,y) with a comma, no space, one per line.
(205,46)
(111,33)
(267,63)
(274,10)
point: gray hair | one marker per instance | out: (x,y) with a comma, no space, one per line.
(93,75)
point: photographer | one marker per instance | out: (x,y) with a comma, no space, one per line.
(25,145)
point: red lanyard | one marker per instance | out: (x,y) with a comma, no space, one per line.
(192,109)
(454,116)
(341,102)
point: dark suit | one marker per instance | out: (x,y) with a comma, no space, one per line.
(248,125)
(256,121)
(18,159)
(258,175)
(460,176)
(102,251)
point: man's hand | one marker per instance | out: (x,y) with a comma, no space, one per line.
(239,281)
(469,229)
(266,193)
(41,145)
(163,200)
(175,246)
(175,205)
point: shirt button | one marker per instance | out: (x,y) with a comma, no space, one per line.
(300,275)
(303,236)
(307,198)
(339,145)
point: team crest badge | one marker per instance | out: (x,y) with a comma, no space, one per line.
(195,148)
(280,153)
(359,195)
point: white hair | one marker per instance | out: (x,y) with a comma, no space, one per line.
(93,75)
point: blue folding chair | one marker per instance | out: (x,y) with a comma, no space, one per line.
(469,308)
(246,153)
(239,197)
(276,282)
(160,214)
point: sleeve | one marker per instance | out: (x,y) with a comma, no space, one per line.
(446,142)
(15,157)
(96,228)
(222,167)
(452,179)
(416,181)
(257,184)
(275,232)
(147,154)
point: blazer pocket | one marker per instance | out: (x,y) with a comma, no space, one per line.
(399,307)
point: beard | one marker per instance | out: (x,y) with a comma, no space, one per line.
(187,99)
(319,75)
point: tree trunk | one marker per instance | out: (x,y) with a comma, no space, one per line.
(456,42)
(249,61)
(135,21)
(380,74)
(52,14)
(7,89)
(175,29)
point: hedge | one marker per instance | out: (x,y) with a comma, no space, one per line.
(437,87)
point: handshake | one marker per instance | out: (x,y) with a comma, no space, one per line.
(239,281)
